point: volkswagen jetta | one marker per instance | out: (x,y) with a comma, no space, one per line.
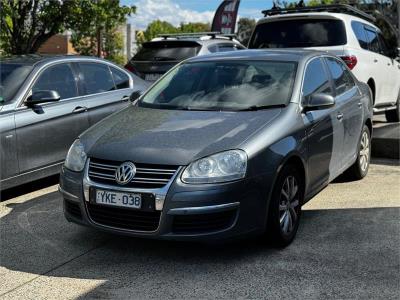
(223,146)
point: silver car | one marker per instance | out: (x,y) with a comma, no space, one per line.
(46,102)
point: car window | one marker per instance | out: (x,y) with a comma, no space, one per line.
(224,85)
(12,76)
(120,78)
(315,79)
(373,41)
(360,33)
(383,45)
(213,48)
(299,33)
(96,77)
(167,51)
(226,47)
(58,78)
(340,75)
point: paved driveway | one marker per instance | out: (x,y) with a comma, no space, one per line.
(348,246)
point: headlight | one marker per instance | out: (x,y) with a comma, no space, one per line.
(76,157)
(221,167)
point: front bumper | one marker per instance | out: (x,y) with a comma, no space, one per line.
(184,212)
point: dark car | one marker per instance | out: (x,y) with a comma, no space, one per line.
(46,102)
(155,58)
(222,146)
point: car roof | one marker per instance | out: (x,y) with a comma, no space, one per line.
(200,41)
(295,55)
(38,59)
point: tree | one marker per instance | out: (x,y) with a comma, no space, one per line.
(93,19)
(26,25)
(158,27)
(194,27)
(245,28)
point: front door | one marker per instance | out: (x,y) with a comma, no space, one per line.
(324,128)
(349,98)
(46,131)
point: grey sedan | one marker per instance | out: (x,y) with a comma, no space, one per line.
(46,102)
(223,146)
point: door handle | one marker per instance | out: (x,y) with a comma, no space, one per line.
(339,116)
(125,98)
(79,109)
(359,104)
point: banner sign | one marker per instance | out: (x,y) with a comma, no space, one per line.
(225,17)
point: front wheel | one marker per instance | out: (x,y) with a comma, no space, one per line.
(285,207)
(360,168)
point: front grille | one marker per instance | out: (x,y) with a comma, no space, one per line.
(124,218)
(148,176)
(73,209)
(203,223)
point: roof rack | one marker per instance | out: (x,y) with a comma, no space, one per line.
(213,35)
(336,8)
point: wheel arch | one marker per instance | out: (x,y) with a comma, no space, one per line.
(372,86)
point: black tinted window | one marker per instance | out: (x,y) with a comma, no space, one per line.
(58,78)
(167,51)
(359,31)
(299,33)
(383,45)
(11,78)
(341,77)
(373,41)
(315,79)
(97,78)
(120,78)
(226,48)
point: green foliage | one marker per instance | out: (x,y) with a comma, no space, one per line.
(159,27)
(26,25)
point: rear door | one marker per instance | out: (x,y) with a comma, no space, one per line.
(46,131)
(324,129)
(348,98)
(106,89)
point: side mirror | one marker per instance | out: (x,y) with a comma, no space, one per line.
(319,101)
(135,95)
(43,97)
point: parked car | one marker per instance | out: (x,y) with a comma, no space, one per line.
(155,58)
(46,102)
(223,146)
(343,31)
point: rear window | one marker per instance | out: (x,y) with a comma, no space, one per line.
(299,33)
(167,51)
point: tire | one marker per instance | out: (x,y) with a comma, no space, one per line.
(360,168)
(285,207)
(393,115)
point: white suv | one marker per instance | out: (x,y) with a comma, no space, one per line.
(343,31)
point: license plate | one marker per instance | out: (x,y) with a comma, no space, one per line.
(152,77)
(119,199)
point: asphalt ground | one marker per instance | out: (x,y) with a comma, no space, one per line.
(347,247)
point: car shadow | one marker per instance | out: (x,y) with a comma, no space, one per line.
(335,252)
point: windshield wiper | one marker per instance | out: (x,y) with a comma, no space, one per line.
(260,107)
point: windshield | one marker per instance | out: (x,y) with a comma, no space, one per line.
(12,76)
(167,51)
(224,85)
(299,33)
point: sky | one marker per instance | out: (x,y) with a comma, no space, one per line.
(177,11)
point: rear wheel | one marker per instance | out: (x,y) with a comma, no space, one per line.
(393,115)
(285,207)
(360,168)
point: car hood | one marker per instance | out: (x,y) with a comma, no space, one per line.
(171,137)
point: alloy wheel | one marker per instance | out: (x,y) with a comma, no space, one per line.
(364,151)
(288,205)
